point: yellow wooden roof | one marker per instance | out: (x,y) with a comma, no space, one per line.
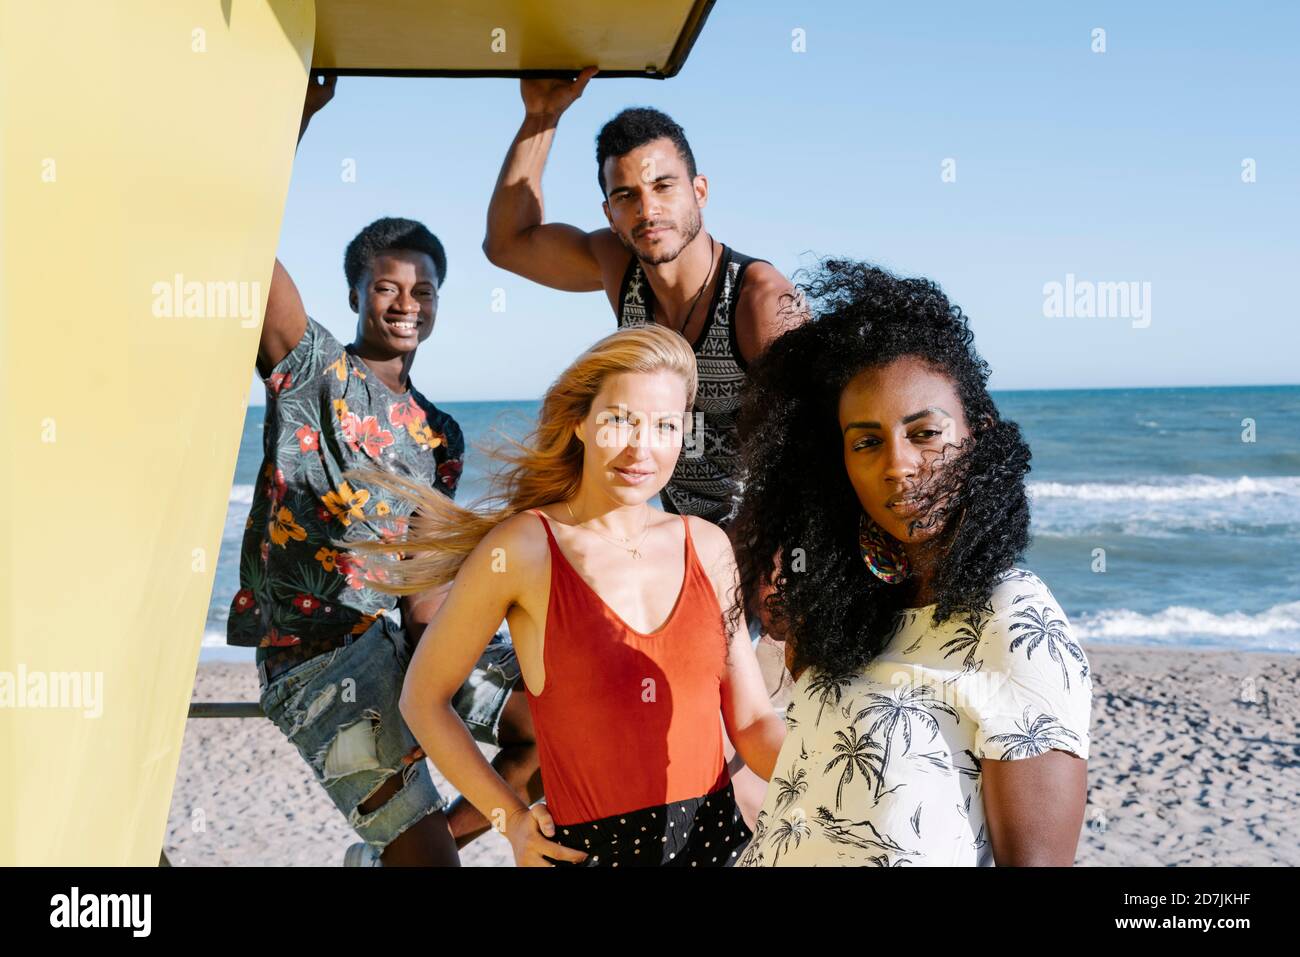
(506,37)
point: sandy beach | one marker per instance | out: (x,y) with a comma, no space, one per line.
(1195,761)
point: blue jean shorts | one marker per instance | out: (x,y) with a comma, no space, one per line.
(340,710)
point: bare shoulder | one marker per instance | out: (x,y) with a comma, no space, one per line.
(604,242)
(763,278)
(521,541)
(711,545)
(612,258)
(609,252)
(765,289)
(769,305)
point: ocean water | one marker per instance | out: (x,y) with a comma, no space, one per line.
(1192,497)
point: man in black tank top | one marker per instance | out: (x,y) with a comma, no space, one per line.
(656,263)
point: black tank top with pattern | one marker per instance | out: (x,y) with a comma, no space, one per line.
(707,479)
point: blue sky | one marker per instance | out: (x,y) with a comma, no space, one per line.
(1122,166)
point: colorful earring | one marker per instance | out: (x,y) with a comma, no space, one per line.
(882,555)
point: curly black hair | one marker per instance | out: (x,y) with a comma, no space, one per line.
(637,126)
(797,494)
(391,233)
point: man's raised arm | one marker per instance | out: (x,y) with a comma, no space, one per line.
(286,318)
(553,254)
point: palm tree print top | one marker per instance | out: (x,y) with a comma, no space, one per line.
(883,768)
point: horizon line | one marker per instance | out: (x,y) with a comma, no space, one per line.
(1105,388)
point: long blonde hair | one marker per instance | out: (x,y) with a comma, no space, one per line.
(545,468)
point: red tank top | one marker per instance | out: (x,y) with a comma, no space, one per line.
(628,720)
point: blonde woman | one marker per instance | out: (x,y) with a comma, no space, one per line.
(615,609)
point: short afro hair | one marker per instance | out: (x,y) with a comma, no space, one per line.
(637,126)
(387,234)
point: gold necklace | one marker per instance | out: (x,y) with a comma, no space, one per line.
(635,550)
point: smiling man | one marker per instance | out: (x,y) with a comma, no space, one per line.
(330,656)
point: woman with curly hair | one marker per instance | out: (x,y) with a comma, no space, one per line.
(940,714)
(616,613)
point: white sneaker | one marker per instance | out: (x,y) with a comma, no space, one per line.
(362,855)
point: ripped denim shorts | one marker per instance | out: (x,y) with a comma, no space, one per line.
(340,711)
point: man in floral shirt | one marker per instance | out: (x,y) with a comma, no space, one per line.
(330,654)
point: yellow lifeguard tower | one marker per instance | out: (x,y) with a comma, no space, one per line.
(147,147)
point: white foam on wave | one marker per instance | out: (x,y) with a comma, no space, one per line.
(214,648)
(1166,523)
(1160,507)
(1275,629)
(1188,488)
(241,495)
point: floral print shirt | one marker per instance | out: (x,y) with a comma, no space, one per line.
(883,768)
(327,412)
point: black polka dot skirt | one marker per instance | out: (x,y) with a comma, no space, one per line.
(705,831)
